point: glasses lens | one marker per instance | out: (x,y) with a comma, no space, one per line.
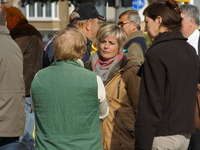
(120,23)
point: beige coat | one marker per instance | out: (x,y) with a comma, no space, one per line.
(12,89)
(122,90)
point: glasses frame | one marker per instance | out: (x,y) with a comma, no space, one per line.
(123,23)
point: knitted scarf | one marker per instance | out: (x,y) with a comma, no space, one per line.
(104,68)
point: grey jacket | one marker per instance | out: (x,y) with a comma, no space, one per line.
(12,88)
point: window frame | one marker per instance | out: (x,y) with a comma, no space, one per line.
(54,12)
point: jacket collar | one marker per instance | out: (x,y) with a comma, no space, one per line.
(4,30)
(167,36)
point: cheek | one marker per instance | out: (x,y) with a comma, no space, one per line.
(115,51)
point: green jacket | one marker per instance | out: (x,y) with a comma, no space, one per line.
(66,107)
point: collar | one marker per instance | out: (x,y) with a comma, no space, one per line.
(193,39)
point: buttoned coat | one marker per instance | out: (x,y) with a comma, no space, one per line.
(12,89)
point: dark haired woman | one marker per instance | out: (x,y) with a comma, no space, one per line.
(168,82)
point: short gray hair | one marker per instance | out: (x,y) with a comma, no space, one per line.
(132,16)
(191,11)
(2,16)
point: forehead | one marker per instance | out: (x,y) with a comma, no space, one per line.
(124,17)
(95,20)
(146,18)
(110,38)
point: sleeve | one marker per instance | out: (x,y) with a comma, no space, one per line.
(48,54)
(133,86)
(104,110)
(135,53)
(23,43)
(151,101)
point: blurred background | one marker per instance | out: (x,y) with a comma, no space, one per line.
(50,16)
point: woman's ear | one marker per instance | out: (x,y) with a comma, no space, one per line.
(159,20)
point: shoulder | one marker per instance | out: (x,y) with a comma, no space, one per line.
(128,66)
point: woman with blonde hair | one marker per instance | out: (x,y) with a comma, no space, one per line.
(122,87)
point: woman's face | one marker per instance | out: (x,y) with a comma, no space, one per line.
(108,48)
(151,27)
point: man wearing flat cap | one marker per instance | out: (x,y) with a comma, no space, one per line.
(85,17)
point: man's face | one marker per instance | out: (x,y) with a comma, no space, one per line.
(186,26)
(126,24)
(94,27)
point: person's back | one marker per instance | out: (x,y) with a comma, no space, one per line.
(135,46)
(12,90)
(69,100)
(30,42)
(70,120)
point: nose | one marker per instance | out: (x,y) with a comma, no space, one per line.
(106,45)
(145,28)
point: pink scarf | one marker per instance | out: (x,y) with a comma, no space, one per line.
(108,62)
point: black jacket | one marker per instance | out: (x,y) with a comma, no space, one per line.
(168,89)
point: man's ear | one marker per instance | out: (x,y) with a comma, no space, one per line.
(134,25)
(88,24)
(6,23)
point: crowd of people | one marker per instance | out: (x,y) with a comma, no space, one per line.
(123,96)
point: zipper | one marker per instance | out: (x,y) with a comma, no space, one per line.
(114,76)
(118,91)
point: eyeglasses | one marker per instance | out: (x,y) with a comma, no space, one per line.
(123,23)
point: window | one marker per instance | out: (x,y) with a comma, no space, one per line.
(43,12)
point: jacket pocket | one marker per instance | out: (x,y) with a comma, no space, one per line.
(121,124)
(131,132)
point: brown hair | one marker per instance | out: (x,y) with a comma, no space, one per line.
(168,10)
(70,43)
(12,11)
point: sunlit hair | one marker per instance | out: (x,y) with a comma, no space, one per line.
(191,12)
(70,43)
(168,10)
(78,23)
(132,16)
(2,16)
(111,30)
(12,11)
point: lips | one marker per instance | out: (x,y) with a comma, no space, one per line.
(105,52)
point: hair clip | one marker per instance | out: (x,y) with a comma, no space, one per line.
(125,51)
